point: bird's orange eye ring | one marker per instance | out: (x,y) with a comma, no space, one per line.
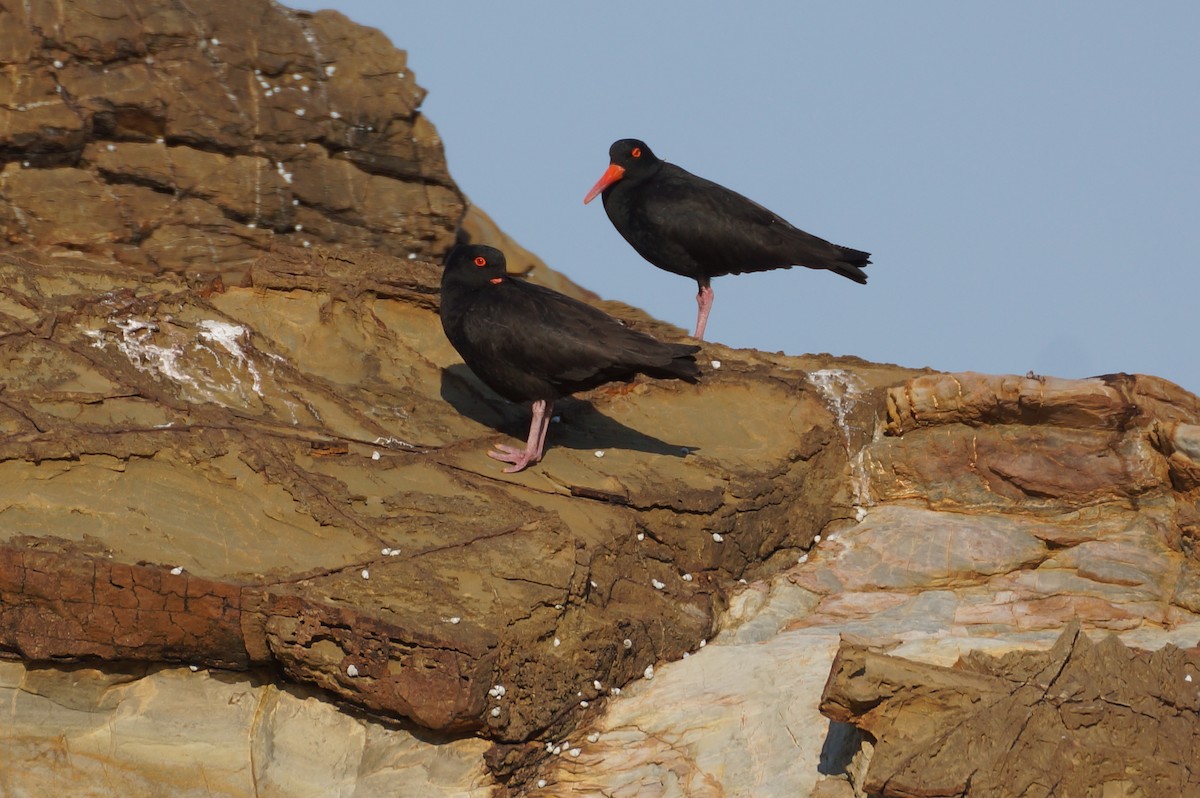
(480,261)
(636,152)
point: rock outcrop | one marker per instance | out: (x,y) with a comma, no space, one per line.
(233,437)
(192,139)
(994,512)
(1079,717)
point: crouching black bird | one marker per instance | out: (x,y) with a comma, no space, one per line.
(528,343)
(700,229)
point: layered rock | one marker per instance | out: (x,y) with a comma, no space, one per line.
(155,730)
(1079,719)
(995,511)
(193,139)
(227,444)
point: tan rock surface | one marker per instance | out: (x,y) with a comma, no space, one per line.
(332,403)
(155,731)
(223,448)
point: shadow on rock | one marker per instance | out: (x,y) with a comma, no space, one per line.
(842,742)
(582,426)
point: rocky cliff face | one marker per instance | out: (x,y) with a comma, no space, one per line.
(245,506)
(193,139)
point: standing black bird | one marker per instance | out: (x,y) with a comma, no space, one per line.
(528,343)
(691,226)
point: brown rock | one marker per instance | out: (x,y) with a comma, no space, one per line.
(198,139)
(277,442)
(1082,719)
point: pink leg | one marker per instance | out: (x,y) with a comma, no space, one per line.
(534,447)
(704,300)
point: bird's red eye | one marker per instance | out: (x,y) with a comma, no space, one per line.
(481,261)
(637,152)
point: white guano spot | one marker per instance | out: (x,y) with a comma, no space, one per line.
(351,671)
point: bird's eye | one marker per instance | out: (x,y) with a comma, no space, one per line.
(637,152)
(481,261)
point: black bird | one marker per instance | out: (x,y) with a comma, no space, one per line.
(528,343)
(691,226)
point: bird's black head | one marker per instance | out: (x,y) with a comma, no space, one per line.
(631,154)
(629,159)
(472,266)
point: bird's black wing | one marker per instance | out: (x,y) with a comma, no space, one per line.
(727,232)
(561,341)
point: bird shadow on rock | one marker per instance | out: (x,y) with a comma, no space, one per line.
(582,426)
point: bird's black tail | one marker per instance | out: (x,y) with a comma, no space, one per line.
(852,263)
(681,366)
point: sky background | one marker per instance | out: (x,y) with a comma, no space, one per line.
(1026,174)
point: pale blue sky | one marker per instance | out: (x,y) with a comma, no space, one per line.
(1026,174)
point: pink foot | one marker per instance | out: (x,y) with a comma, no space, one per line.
(520,458)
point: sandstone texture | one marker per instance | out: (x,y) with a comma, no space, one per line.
(1061,722)
(250,542)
